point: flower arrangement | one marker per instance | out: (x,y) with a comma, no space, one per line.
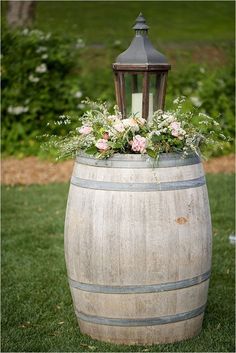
(101,134)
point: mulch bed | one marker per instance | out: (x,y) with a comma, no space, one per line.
(32,170)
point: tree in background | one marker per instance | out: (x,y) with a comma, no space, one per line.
(21,13)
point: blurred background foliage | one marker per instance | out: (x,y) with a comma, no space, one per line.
(67,55)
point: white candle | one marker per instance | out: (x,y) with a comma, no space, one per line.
(137,99)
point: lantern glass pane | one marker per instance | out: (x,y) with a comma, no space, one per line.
(133,93)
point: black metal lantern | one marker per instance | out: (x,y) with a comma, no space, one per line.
(140,75)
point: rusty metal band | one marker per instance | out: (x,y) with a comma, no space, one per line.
(137,187)
(166,161)
(134,289)
(152,321)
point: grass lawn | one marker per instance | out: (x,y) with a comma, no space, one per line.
(107,21)
(186,31)
(37,312)
(177,28)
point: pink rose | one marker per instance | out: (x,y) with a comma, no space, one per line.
(175,133)
(131,122)
(102,145)
(175,126)
(85,130)
(119,126)
(139,144)
(176,130)
(114,117)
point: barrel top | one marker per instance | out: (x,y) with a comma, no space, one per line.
(140,160)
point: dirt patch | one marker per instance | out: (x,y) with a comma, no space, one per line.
(224,164)
(32,170)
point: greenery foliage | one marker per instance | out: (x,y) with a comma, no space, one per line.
(212,91)
(37,85)
(37,311)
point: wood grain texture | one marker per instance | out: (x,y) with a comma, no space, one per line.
(140,67)
(138,238)
(117,90)
(145,98)
(161,90)
(121,77)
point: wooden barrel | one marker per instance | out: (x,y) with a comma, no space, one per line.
(138,247)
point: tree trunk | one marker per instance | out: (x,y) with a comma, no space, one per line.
(21,13)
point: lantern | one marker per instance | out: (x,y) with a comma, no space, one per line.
(140,75)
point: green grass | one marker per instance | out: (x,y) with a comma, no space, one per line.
(37,312)
(173,25)
(106,21)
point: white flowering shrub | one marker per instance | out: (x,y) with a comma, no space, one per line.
(210,89)
(101,134)
(38,83)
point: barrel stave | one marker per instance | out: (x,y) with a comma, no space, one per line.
(138,251)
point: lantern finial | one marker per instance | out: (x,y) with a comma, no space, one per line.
(141,50)
(140,23)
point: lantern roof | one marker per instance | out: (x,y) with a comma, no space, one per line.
(141,50)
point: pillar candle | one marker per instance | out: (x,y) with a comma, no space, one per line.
(137,99)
